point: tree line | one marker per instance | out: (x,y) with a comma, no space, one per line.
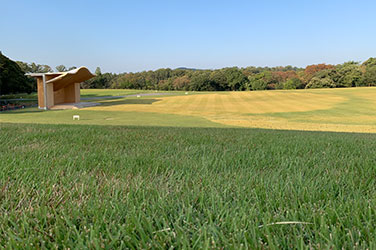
(348,74)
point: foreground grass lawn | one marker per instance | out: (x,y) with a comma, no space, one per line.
(154,187)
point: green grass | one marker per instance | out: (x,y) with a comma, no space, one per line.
(18,96)
(88,186)
(91,117)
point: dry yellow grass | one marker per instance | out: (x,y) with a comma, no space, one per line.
(347,110)
(233,102)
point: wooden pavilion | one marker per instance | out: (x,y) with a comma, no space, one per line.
(60,87)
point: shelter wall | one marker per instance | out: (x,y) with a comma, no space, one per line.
(50,96)
(69,94)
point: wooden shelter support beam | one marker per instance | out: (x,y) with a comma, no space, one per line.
(77,97)
(41,104)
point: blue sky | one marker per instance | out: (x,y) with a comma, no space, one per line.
(125,36)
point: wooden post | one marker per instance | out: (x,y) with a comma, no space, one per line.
(41,104)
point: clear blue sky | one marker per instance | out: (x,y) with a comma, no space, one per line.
(124,36)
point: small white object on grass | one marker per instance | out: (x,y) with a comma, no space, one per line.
(138,96)
(186,93)
(76,117)
(286,223)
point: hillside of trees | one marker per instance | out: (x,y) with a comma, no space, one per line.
(13,79)
(349,74)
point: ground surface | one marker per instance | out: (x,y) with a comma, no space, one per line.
(183,176)
(152,187)
(345,110)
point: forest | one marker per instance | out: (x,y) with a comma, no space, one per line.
(348,74)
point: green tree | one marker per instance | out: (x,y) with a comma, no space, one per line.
(369,77)
(98,71)
(332,74)
(369,74)
(257,82)
(219,80)
(350,74)
(317,82)
(45,69)
(293,83)
(200,81)
(61,68)
(370,62)
(236,80)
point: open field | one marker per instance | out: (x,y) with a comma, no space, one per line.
(145,187)
(184,175)
(342,110)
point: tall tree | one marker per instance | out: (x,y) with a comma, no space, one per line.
(98,71)
(370,62)
(350,74)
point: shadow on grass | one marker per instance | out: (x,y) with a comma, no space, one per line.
(129,101)
(22,111)
(103,104)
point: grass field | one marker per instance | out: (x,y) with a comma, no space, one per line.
(116,186)
(177,171)
(341,110)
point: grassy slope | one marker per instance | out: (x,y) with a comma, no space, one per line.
(198,187)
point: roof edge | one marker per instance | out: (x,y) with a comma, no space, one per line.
(73,71)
